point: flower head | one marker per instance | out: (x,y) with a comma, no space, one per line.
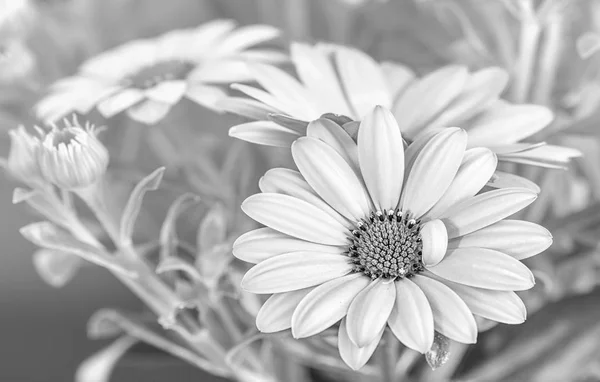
(376,236)
(72,157)
(146,78)
(346,82)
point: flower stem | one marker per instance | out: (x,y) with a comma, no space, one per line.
(549,60)
(528,47)
(387,357)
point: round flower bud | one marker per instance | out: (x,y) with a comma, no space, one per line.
(22,161)
(72,157)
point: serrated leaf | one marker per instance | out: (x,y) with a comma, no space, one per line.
(49,236)
(134,204)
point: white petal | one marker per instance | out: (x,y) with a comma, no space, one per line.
(549,156)
(370,311)
(397,76)
(248,108)
(485,209)
(168,92)
(331,177)
(264,243)
(519,239)
(433,171)
(426,98)
(505,123)
(293,271)
(316,72)
(451,316)
(381,158)
(502,179)
(296,218)
(245,37)
(351,354)
(207,96)
(285,88)
(120,101)
(149,111)
(264,133)
(411,320)
(499,306)
(290,182)
(221,72)
(363,80)
(326,304)
(484,268)
(264,97)
(482,87)
(335,136)
(475,171)
(276,313)
(435,242)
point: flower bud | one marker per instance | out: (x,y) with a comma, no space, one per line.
(72,157)
(22,160)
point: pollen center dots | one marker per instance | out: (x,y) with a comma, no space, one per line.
(152,75)
(387,245)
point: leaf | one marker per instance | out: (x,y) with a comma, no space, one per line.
(49,236)
(56,268)
(99,367)
(168,234)
(134,204)
(45,205)
(107,322)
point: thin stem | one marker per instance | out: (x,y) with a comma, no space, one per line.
(549,60)
(528,46)
(387,357)
(298,19)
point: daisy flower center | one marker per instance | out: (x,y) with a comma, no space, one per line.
(152,75)
(388,245)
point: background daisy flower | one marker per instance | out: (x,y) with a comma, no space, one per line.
(147,77)
(378,237)
(345,81)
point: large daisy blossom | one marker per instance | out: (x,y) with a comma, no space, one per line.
(377,236)
(147,77)
(347,82)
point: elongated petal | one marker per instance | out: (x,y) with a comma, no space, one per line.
(435,242)
(331,177)
(499,306)
(316,71)
(482,87)
(120,101)
(505,123)
(335,136)
(433,171)
(484,268)
(205,95)
(451,316)
(276,313)
(502,179)
(549,156)
(426,98)
(245,37)
(292,183)
(264,133)
(411,319)
(296,218)
(351,354)
(397,77)
(485,209)
(363,80)
(248,108)
(381,158)
(519,239)
(294,271)
(370,311)
(264,243)
(168,92)
(475,171)
(326,304)
(149,112)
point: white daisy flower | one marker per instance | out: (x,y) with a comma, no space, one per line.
(146,78)
(344,81)
(378,237)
